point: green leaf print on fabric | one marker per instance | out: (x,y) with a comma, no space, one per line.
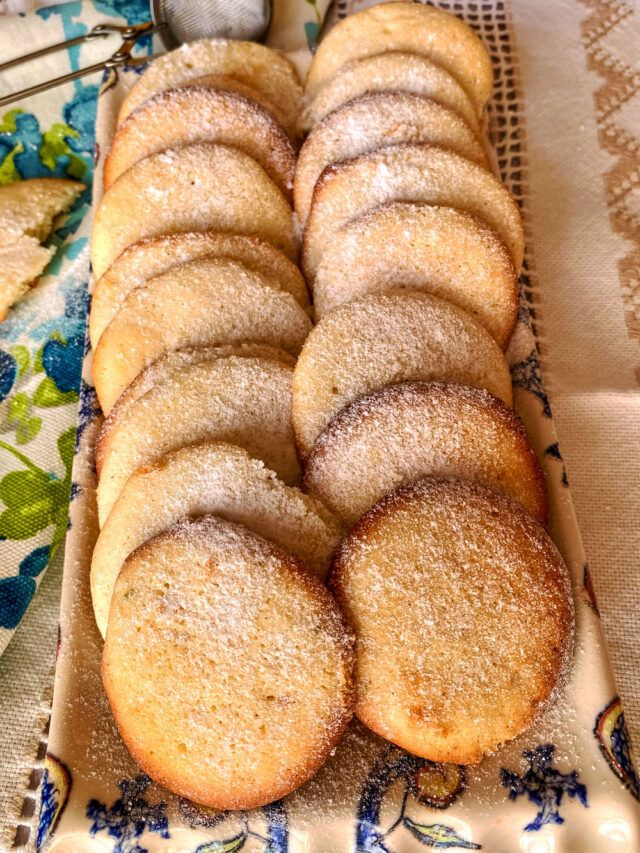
(33,498)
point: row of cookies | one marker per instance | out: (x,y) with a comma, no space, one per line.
(207,574)
(459,601)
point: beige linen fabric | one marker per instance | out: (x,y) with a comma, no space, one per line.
(581,107)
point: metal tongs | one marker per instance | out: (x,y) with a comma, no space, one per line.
(130,36)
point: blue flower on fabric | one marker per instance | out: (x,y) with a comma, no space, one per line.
(133,11)
(8,373)
(62,362)
(80,114)
(16,592)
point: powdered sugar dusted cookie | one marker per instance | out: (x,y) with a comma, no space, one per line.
(440,250)
(248,63)
(393,71)
(411,27)
(414,429)
(409,173)
(384,339)
(239,400)
(202,114)
(212,478)
(198,187)
(227,665)
(201,303)
(463,616)
(379,120)
(148,258)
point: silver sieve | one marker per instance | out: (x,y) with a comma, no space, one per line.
(176,21)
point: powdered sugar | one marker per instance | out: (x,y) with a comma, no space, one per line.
(383,339)
(411,173)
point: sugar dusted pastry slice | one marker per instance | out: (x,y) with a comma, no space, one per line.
(148,258)
(413,28)
(383,339)
(248,63)
(375,121)
(416,429)
(393,71)
(202,114)
(227,665)
(28,213)
(239,399)
(463,616)
(207,302)
(209,479)
(409,173)
(199,187)
(440,250)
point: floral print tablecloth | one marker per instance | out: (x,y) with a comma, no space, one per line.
(42,341)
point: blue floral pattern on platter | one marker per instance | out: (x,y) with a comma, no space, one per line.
(56,787)
(612,734)
(544,785)
(275,817)
(527,374)
(430,784)
(129,817)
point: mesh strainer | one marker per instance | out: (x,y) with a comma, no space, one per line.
(177,21)
(197,19)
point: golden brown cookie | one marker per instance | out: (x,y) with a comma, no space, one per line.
(207,302)
(247,63)
(379,120)
(463,615)
(199,187)
(443,251)
(417,429)
(384,339)
(202,114)
(409,173)
(227,665)
(394,71)
(413,28)
(154,256)
(243,400)
(212,478)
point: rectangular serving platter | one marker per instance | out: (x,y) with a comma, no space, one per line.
(567,784)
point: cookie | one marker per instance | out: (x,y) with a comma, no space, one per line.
(227,665)
(209,479)
(199,187)
(200,303)
(384,339)
(230,84)
(149,258)
(394,71)
(374,121)
(239,400)
(248,63)
(202,114)
(416,429)
(409,173)
(29,213)
(411,28)
(166,367)
(443,251)
(463,616)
